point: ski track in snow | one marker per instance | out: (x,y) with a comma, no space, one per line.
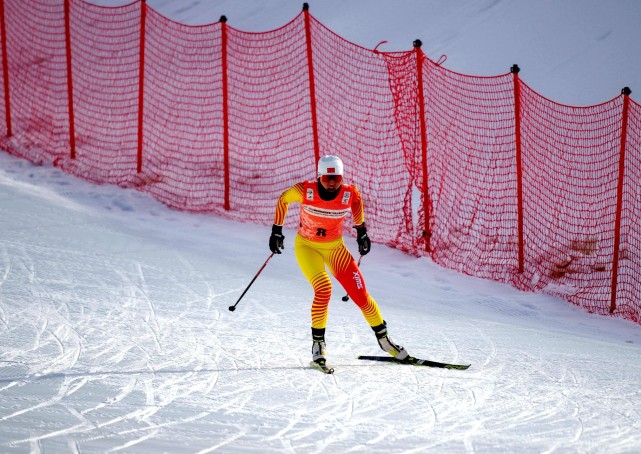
(116,337)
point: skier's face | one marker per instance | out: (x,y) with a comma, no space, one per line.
(331,183)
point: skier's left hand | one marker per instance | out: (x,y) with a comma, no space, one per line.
(364,243)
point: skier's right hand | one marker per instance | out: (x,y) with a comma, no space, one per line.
(276,240)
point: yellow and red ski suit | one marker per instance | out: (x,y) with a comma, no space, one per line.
(319,242)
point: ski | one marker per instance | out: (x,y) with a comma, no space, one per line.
(415,362)
(322,367)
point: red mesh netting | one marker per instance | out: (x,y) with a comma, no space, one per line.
(182,160)
(270,142)
(36,62)
(570,171)
(356,121)
(471,172)
(214,119)
(105,49)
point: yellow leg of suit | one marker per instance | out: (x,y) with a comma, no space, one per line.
(313,257)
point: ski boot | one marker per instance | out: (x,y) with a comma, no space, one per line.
(388,345)
(318,346)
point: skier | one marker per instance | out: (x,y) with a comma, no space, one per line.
(324,204)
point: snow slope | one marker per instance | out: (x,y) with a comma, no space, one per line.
(115,334)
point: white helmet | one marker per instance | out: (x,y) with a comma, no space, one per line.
(330,165)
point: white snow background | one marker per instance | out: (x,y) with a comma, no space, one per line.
(114,329)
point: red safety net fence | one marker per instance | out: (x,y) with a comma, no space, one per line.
(482,174)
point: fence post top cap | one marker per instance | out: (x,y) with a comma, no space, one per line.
(515,69)
(417,43)
(223,19)
(626,91)
(305,6)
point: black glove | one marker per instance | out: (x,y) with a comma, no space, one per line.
(364,244)
(276,240)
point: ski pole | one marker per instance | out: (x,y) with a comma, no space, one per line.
(233,308)
(346,297)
